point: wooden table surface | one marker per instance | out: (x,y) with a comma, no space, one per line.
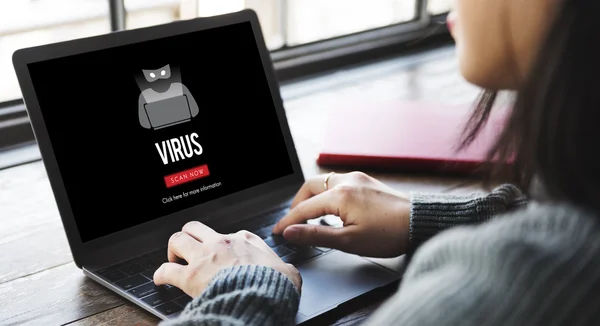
(40,285)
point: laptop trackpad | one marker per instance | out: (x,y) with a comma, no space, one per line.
(336,278)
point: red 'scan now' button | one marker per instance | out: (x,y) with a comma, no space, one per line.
(188,175)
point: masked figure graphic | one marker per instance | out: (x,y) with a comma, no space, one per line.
(164,101)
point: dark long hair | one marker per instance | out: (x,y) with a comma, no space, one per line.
(553,132)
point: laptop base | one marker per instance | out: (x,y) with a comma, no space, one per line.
(329,280)
(333,279)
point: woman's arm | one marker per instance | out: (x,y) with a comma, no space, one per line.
(431,213)
(380,221)
(537,266)
(251,294)
(243,295)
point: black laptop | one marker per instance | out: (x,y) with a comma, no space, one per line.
(224,157)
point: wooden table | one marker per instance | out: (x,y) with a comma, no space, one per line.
(40,285)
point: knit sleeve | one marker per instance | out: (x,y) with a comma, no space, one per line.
(243,295)
(432,213)
(535,266)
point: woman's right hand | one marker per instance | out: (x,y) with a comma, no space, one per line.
(376,218)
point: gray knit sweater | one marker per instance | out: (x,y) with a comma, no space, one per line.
(538,264)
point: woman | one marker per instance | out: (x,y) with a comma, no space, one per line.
(525,265)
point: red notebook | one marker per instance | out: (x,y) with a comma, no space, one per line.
(404,136)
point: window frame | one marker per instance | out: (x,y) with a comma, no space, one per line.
(15,128)
(290,62)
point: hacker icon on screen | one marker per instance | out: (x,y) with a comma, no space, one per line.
(164,101)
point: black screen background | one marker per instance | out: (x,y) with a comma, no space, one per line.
(112,171)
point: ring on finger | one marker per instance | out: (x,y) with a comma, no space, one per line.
(326,181)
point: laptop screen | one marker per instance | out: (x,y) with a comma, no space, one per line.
(148,129)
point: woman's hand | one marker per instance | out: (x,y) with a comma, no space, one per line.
(376,218)
(207,252)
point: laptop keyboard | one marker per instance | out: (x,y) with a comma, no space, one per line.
(135,276)
(288,252)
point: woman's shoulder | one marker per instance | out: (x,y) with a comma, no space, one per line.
(542,231)
(535,266)
(534,221)
(547,220)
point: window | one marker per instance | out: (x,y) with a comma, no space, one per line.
(36,22)
(143,13)
(436,7)
(304,36)
(315,20)
(289,23)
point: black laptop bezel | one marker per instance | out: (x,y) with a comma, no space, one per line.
(83,252)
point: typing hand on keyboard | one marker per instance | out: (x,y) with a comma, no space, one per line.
(291,253)
(207,252)
(375,217)
(135,277)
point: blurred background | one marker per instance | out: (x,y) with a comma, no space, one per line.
(286,23)
(305,37)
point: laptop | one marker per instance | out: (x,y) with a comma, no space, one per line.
(123,187)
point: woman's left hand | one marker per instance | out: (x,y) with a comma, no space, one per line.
(207,252)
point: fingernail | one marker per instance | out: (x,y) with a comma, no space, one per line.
(292,233)
(156,272)
(175,235)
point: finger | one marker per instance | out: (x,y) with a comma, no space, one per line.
(306,191)
(317,235)
(170,273)
(314,186)
(247,235)
(199,231)
(252,238)
(316,206)
(184,246)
